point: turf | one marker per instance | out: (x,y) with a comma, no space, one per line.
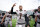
(13,23)
(32,22)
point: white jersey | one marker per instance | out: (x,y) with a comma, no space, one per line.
(18,14)
(22,20)
(8,16)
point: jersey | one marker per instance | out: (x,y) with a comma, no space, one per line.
(8,16)
(38,16)
(18,15)
(22,20)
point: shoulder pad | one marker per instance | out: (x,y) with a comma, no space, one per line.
(17,10)
(24,10)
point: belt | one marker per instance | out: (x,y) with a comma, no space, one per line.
(21,23)
(39,22)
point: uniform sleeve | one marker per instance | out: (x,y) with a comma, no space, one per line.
(12,11)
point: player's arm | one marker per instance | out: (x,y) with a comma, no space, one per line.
(3,17)
(35,18)
(12,9)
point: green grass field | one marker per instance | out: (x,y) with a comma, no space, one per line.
(13,23)
(32,22)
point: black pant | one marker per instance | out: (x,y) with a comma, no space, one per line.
(3,25)
(35,24)
(0,25)
(27,23)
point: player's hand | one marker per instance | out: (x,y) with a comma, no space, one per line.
(1,22)
(14,4)
(28,26)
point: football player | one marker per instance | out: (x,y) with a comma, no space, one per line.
(37,17)
(8,19)
(20,16)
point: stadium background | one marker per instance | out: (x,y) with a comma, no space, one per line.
(6,5)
